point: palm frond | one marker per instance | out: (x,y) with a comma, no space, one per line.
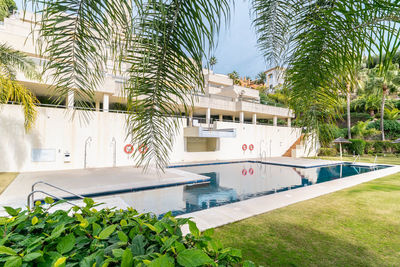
(12,61)
(166,67)
(11,90)
(76,37)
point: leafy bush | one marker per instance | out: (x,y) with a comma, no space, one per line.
(107,237)
(357,146)
(391,127)
(328,132)
(327,151)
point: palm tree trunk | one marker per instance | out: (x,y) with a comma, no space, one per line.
(384,90)
(348,112)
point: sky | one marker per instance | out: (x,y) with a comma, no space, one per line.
(237,46)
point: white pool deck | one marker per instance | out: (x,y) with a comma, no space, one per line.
(90,181)
(113,179)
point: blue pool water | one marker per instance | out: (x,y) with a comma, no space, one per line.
(235,182)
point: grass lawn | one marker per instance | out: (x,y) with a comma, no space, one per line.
(388,159)
(359,226)
(5,179)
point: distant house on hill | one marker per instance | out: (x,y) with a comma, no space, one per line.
(275,77)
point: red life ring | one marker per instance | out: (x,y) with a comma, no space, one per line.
(141,150)
(128,149)
(244,147)
(251,147)
(251,171)
(244,172)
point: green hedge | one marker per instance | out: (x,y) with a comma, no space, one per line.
(109,237)
(371,147)
(327,151)
(357,146)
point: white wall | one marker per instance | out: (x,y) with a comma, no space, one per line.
(61,131)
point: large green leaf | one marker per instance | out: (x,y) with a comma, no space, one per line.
(106,232)
(163,261)
(7,251)
(32,256)
(57,231)
(14,261)
(127,258)
(11,211)
(193,258)
(66,244)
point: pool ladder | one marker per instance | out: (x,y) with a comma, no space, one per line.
(30,199)
(354,161)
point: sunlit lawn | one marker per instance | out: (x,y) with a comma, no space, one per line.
(387,159)
(359,226)
(5,179)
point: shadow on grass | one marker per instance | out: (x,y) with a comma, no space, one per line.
(286,244)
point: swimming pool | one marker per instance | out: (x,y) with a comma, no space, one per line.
(233,182)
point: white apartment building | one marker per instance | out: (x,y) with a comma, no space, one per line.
(275,77)
(226,119)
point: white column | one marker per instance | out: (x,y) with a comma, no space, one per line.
(275,121)
(70,99)
(106,102)
(221,117)
(97,105)
(254,118)
(190,118)
(241,117)
(289,122)
(208,116)
(233,118)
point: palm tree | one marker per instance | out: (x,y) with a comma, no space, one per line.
(213,61)
(12,61)
(234,75)
(320,42)
(381,80)
(368,103)
(393,114)
(164,42)
(261,77)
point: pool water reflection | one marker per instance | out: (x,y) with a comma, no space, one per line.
(235,182)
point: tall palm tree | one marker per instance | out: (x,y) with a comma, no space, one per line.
(380,80)
(212,62)
(12,61)
(164,41)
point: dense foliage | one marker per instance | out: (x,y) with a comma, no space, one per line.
(360,147)
(357,146)
(109,237)
(7,7)
(391,127)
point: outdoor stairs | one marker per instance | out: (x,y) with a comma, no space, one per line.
(296,145)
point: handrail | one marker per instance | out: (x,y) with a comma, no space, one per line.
(56,187)
(31,195)
(376,157)
(356,158)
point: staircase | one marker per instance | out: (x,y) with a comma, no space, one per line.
(295,145)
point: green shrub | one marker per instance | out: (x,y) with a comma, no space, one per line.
(368,147)
(327,151)
(391,127)
(357,146)
(107,237)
